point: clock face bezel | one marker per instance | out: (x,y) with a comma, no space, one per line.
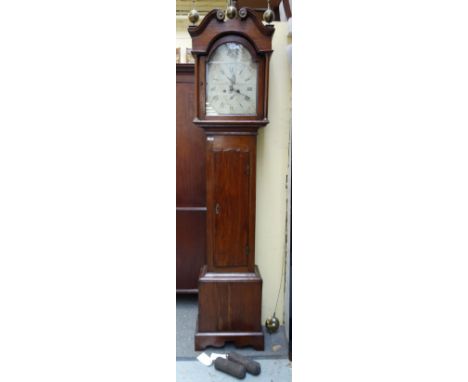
(260,96)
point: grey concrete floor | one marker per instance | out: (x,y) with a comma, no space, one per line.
(273,370)
(276,344)
(276,367)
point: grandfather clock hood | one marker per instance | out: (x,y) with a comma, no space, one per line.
(246,24)
(245,28)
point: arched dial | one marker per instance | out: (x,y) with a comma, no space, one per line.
(231,81)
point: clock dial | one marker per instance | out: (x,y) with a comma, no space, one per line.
(231,81)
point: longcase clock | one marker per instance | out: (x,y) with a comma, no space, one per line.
(231,79)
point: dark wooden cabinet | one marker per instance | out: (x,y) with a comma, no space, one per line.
(191,185)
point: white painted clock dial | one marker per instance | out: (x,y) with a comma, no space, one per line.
(231,81)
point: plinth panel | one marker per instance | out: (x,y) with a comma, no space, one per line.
(229,309)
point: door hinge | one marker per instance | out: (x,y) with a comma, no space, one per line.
(247,251)
(247,169)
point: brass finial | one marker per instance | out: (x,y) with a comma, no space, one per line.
(268,15)
(231,11)
(193,15)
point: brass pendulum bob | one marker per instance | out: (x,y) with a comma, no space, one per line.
(272,324)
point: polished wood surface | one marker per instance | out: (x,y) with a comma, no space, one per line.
(231,235)
(190,186)
(229,310)
(231,302)
(231,164)
(191,248)
(210,29)
(219,339)
(190,144)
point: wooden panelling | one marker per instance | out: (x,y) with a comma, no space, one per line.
(230,306)
(229,310)
(231,196)
(191,186)
(231,162)
(190,150)
(190,252)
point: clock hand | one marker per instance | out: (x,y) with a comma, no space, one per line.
(242,94)
(231,80)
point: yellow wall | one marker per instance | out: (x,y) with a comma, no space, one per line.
(272,168)
(183,40)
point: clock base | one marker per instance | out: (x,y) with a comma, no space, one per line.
(239,339)
(229,309)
